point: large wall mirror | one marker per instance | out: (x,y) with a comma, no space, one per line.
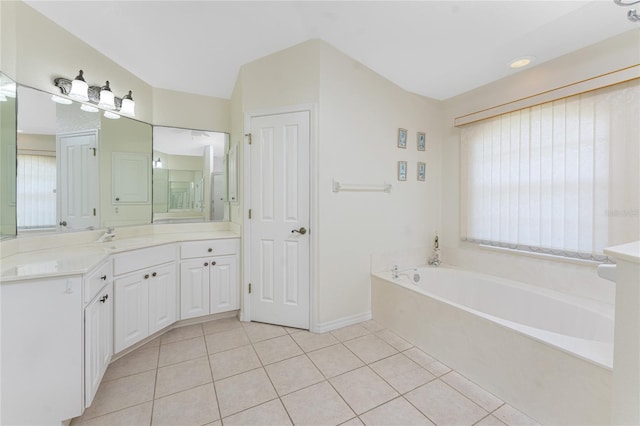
(189,175)
(8,116)
(77,169)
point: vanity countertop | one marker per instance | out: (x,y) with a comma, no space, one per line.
(82,258)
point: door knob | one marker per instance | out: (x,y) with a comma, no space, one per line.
(63,223)
(300,231)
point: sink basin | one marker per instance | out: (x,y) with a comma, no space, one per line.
(608,272)
(127,242)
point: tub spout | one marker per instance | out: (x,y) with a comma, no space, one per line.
(396,272)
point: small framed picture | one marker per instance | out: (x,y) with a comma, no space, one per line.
(402,138)
(421,141)
(422,167)
(402,170)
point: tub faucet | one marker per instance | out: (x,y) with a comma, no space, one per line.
(435,260)
(109,234)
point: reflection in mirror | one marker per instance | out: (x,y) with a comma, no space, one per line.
(189,175)
(77,169)
(7,157)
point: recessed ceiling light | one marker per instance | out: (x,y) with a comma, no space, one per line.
(522,61)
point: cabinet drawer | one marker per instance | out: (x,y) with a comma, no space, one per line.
(143,258)
(97,279)
(208,248)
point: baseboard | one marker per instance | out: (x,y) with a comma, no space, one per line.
(341,322)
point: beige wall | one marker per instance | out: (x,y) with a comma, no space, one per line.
(578,279)
(360,113)
(186,110)
(359,116)
(40,144)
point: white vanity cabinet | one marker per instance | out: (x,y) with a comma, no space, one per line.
(208,277)
(146,293)
(42,350)
(98,327)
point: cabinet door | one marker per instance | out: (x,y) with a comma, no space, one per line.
(41,334)
(106,328)
(98,317)
(131,309)
(163,297)
(224,284)
(131,178)
(194,288)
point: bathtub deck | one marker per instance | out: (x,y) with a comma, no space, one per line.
(250,373)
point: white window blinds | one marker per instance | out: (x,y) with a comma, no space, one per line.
(560,178)
(36,197)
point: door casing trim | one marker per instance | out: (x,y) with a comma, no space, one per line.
(312,109)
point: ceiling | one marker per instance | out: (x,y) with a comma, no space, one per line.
(437,49)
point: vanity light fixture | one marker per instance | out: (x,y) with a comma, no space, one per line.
(88,108)
(111,115)
(102,96)
(79,88)
(3,98)
(128,105)
(157,164)
(107,100)
(522,61)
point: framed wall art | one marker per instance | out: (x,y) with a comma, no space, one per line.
(402,138)
(421,141)
(402,170)
(422,168)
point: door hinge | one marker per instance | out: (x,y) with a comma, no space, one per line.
(94,211)
(249,136)
(249,288)
(249,213)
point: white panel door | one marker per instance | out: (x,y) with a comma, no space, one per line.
(280,219)
(163,297)
(224,283)
(194,288)
(78,191)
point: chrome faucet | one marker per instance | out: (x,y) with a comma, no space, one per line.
(435,260)
(109,234)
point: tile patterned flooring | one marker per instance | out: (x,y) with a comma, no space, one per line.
(225,372)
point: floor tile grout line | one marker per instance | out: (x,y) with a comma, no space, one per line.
(106,414)
(155,384)
(213,382)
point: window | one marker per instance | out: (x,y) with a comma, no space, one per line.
(36,191)
(560,178)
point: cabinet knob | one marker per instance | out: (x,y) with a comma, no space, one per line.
(103,278)
(63,223)
(146,276)
(213,263)
(104,298)
(210,250)
(155,274)
(117,198)
(206,263)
